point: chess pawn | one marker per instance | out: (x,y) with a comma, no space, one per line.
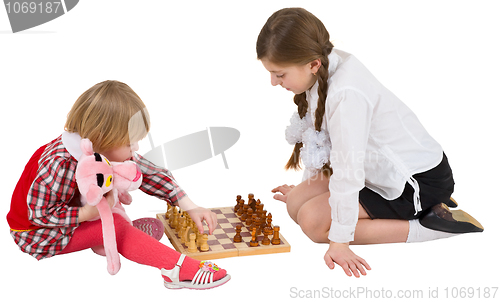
(237,206)
(192,248)
(199,237)
(184,230)
(256,224)
(254,241)
(175,219)
(244,215)
(249,219)
(276,236)
(266,240)
(204,243)
(237,237)
(182,218)
(241,202)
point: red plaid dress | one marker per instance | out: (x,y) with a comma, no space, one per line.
(43,214)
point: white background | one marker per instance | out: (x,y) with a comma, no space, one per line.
(194,65)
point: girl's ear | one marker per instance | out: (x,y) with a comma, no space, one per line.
(315,65)
(86,146)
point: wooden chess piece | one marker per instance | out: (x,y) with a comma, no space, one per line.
(249,219)
(182,218)
(204,243)
(237,237)
(263,220)
(268,228)
(276,236)
(192,248)
(244,215)
(254,241)
(266,240)
(175,219)
(169,211)
(184,234)
(237,206)
(251,201)
(241,202)
(256,224)
(199,237)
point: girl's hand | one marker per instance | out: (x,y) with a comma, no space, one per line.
(343,256)
(88,212)
(284,190)
(199,214)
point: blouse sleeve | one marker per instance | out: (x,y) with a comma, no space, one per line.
(159,182)
(50,194)
(348,126)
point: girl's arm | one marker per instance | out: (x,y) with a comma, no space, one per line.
(159,182)
(348,126)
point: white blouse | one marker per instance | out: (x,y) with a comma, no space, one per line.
(374,140)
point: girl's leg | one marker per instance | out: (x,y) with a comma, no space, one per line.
(304,192)
(314,219)
(136,246)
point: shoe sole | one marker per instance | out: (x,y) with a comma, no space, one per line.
(462,216)
(188,285)
(150,226)
(462,221)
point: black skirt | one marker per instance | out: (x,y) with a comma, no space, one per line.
(436,186)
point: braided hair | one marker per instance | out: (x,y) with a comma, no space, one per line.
(295,36)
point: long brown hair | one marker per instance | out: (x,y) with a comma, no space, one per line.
(295,36)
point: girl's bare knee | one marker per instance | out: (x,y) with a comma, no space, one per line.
(313,227)
(293,205)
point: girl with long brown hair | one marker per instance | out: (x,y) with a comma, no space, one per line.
(373,174)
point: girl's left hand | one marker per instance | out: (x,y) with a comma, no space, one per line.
(199,214)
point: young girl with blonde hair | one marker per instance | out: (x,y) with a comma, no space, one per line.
(372,172)
(47,219)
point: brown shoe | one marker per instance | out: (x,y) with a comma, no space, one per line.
(441,218)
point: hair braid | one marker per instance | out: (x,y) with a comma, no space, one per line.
(322,94)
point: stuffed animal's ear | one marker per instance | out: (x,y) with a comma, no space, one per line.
(94,194)
(86,146)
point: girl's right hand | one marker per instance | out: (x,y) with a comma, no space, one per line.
(284,190)
(341,254)
(88,212)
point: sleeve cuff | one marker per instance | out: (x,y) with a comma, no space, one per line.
(341,233)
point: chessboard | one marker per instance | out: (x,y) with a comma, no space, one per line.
(221,243)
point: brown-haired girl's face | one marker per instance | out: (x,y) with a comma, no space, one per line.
(295,78)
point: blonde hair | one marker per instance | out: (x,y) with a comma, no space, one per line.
(110,114)
(295,36)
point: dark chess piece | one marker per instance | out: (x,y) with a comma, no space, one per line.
(237,237)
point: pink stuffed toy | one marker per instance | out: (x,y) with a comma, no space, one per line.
(96,176)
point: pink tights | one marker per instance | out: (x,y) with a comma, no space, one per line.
(134,245)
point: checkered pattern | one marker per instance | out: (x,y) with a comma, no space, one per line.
(222,238)
(44,227)
(221,244)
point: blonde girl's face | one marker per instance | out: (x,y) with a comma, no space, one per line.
(294,78)
(121,154)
